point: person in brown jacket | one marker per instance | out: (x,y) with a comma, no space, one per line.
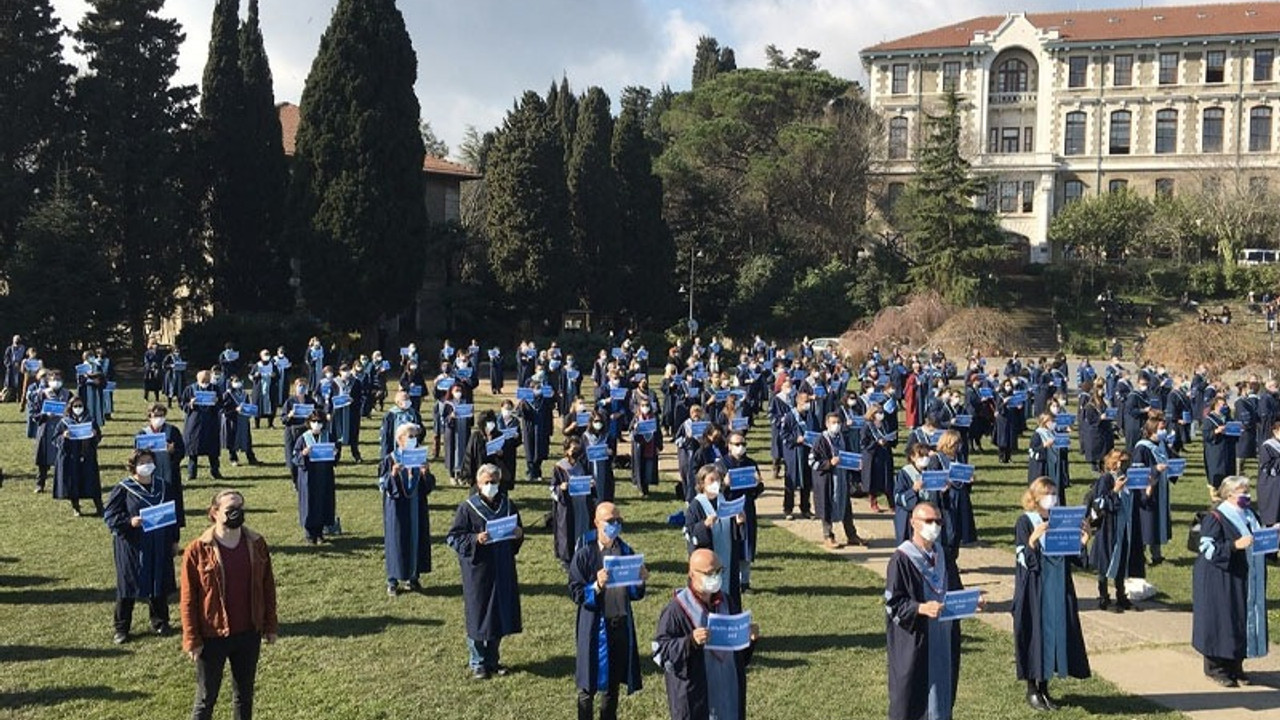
(228,605)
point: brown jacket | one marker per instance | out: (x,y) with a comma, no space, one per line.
(203,600)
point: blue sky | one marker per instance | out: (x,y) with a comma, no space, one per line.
(475,56)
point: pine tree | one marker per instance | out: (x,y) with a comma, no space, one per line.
(565,108)
(706,60)
(951,242)
(593,203)
(33,109)
(136,158)
(527,210)
(357,193)
(267,175)
(647,251)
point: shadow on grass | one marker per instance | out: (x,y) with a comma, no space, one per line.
(18,581)
(794,643)
(808,590)
(58,596)
(557,667)
(346,627)
(48,697)
(343,544)
(29,653)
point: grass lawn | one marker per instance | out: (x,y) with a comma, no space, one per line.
(346,650)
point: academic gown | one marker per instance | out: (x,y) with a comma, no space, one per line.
(495,372)
(346,420)
(1093,444)
(905,499)
(724,538)
(1134,412)
(799,475)
(1154,510)
(571,516)
(1005,435)
(750,531)
(317,490)
(457,430)
(508,457)
(144,560)
(601,470)
(490,586)
(294,426)
(393,419)
(1219,450)
(1116,551)
(877,461)
(1247,415)
(477,455)
(169,467)
(779,408)
(1269,482)
(693,674)
(645,452)
(535,430)
(174,380)
(923,653)
(592,668)
(76,472)
(46,439)
(831,501)
(1048,641)
(202,427)
(263,376)
(406,524)
(235,432)
(686,446)
(1228,589)
(958,526)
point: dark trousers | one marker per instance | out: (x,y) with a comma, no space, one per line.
(159,610)
(193,464)
(619,639)
(850,532)
(1224,668)
(1119,582)
(242,650)
(790,485)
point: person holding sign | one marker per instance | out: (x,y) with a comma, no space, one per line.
(236,434)
(91,386)
(688,437)
(1117,548)
(793,424)
(1045,458)
(143,555)
(45,409)
(263,375)
(490,586)
(294,412)
(32,369)
(744,482)
(701,683)
(646,445)
(314,455)
(1096,435)
(606,629)
(13,358)
(535,428)
(76,473)
(405,482)
(955,501)
(1009,413)
(168,456)
(344,410)
(923,651)
(1269,476)
(1048,641)
(1219,448)
(201,403)
(711,521)
(909,490)
(175,375)
(1154,502)
(831,485)
(456,418)
(1229,587)
(571,508)
(485,445)
(402,414)
(877,447)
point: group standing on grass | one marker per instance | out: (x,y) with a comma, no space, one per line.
(835,430)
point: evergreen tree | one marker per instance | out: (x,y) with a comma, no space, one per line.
(728,60)
(565,108)
(527,210)
(357,192)
(593,203)
(952,242)
(34,84)
(137,157)
(706,60)
(267,175)
(647,251)
(662,101)
(434,146)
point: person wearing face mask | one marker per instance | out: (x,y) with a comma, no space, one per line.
(457,432)
(262,378)
(1269,479)
(570,515)
(704,528)
(13,358)
(1133,413)
(1048,641)
(1246,413)
(406,524)
(687,443)
(601,470)
(76,470)
(509,426)
(495,371)
(32,370)
(236,434)
(1154,507)
(169,460)
(295,422)
(701,683)
(317,488)
(43,426)
(646,448)
(831,492)
(143,558)
(1219,448)
(152,372)
(202,427)
(1007,427)
(711,450)
(477,453)
(1179,408)
(1229,584)
(228,605)
(347,392)
(737,458)
(606,629)
(91,387)
(798,478)
(535,429)
(1117,552)
(314,359)
(956,503)
(908,491)
(924,652)
(280,385)
(877,445)
(402,413)
(490,585)
(175,375)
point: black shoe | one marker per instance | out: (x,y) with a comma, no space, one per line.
(1223,680)
(415,586)
(479,673)
(1125,604)
(1243,679)
(1104,603)
(1048,701)
(392,590)
(1036,701)
(39,489)
(162,630)
(500,671)
(120,638)
(1156,562)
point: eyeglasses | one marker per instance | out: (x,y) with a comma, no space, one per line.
(734,444)
(931,521)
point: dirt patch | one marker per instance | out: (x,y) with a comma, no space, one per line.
(908,325)
(1223,348)
(985,330)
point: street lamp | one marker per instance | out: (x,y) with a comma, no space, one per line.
(693,326)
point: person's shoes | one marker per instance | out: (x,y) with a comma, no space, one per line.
(857,541)
(75,512)
(806,516)
(120,638)
(1104,603)
(1048,701)
(500,671)
(162,630)
(39,489)
(1223,680)
(1156,562)
(392,590)
(831,544)
(415,586)
(217,476)
(1036,701)
(1125,604)
(1243,679)
(479,673)
(788,518)
(235,463)
(746,589)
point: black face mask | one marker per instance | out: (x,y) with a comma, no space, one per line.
(235,518)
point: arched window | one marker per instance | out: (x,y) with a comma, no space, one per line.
(1012,76)
(1260,129)
(1166,132)
(1211,131)
(1121,121)
(898,138)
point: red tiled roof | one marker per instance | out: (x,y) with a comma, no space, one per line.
(291,115)
(1251,18)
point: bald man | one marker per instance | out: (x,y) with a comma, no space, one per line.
(202,429)
(604,617)
(701,683)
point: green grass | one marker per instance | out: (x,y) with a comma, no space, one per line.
(346,650)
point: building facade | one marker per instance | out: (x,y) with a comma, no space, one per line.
(1063,105)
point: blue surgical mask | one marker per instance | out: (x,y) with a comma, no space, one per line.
(613,529)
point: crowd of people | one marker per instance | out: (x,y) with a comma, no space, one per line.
(835,430)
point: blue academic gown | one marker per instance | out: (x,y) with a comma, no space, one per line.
(1228,589)
(76,473)
(724,538)
(592,670)
(1048,641)
(202,427)
(1219,450)
(406,524)
(144,560)
(924,653)
(490,585)
(601,470)
(696,678)
(393,419)
(46,436)
(571,516)
(169,467)
(236,435)
(1116,552)
(174,379)
(317,489)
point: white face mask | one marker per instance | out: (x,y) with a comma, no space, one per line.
(597,426)
(922,463)
(146,469)
(833,429)
(930,531)
(490,490)
(711,584)
(506,414)
(1048,502)
(489,426)
(411,442)
(157,423)
(55,385)
(317,427)
(737,451)
(712,489)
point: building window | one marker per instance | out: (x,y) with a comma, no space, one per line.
(1008,197)
(1211,131)
(1009,140)
(1122,66)
(1258,185)
(1072,191)
(950,76)
(1117,186)
(1211,185)
(894,193)
(899,79)
(1028,196)
(898,138)
(1260,129)
(993,140)
(1164,187)
(1263,58)
(1120,122)
(1028,136)
(1011,76)
(1075,134)
(1166,132)
(1077,72)
(1169,68)
(1215,64)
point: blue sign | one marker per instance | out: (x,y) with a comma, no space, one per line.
(548,391)
(80,431)
(960,472)
(524,394)
(729,632)
(1067,517)
(1266,541)
(464,411)
(598,452)
(31,366)
(1110,414)
(730,508)
(582,418)
(624,570)
(341,400)
(446,383)
(465,372)
(698,427)
(850,460)
(811,437)
(963,421)
(1064,420)
(153,442)
(250,410)
(580,485)
(1061,440)
(1017,399)
(739,424)
(1234,428)
(501,529)
(159,516)
(647,427)
(206,398)
(1137,478)
(302,410)
(985,393)
(54,407)
(959,604)
(618,394)
(1176,467)
(495,446)
(1186,416)
(413,458)
(1061,543)
(323,452)
(742,478)
(933,480)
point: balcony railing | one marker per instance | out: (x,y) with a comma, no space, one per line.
(1012,98)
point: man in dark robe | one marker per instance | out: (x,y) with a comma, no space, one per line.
(1136,407)
(701,683)
(490,587)
(792,427)
(13,357)
(402,414)
(202,427)
(606,634)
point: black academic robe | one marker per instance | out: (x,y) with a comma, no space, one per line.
(959,526)
(750,530)
(877,461)
(406,524)
(317,488)
(831,501)
(572,516)
(1219,450)
(684,666)
(1029,622)
(907,637)
(490,586)
(392,420)
(1093,441)
(169,467)
(477,455)
(76,471)
(1247,415)
(1269,482)
(1220,591)
(699,536)
(235,433)
(535,429)
(202,428)
(144,560)
(1117,539)
(592,669)
(1134,414)
(795,453)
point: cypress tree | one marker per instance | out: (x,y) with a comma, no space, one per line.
(709,60)
(647,247)
(136,156)
(593,207)
(357,191)
(566,114)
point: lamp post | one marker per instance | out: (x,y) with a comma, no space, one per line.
(693,326)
